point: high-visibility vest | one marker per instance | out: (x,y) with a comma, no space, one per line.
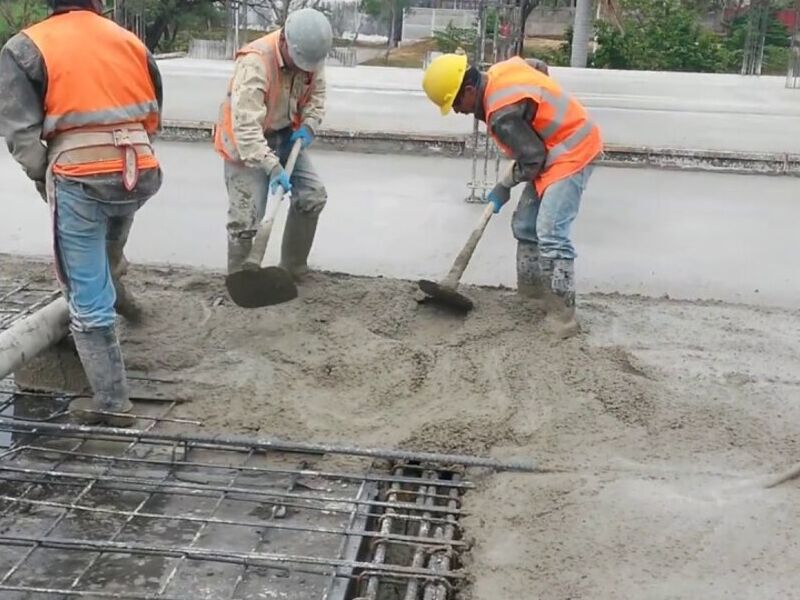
(97,77)
(267,48)
(570,136)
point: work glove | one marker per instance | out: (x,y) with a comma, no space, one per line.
(499,195)
(279,179)
(304,134)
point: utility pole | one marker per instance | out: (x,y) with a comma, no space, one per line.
(581,34)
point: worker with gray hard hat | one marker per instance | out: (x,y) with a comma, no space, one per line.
(275,97)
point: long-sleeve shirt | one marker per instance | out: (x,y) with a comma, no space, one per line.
(249,110)
(23,79)
(512,125)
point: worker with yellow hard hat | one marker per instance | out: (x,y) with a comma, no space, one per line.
(553,143)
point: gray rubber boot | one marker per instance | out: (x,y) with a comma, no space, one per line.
(298,237)
(238,249)
(101,357)
(559,297)
(529,274)
(125,304)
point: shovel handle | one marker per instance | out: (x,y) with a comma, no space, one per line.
(462,260)
(262,236)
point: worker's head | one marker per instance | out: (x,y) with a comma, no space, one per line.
(306,39)
(97,6)
(451,84)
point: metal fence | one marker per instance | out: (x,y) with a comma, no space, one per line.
(420,23)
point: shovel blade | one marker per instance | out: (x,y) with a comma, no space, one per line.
(261,287)
(445,296)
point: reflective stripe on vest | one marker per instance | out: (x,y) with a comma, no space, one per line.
(571,138)
(224,136)
(97,73)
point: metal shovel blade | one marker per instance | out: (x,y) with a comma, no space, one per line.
(445,296)
(253,288)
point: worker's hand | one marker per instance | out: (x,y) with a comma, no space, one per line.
(499,195)
(279,179)
(304,134)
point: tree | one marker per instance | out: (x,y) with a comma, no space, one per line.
(276,11)
(660,35)
(18,14)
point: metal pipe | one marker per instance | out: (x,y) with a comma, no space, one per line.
(29,336)
(521,465)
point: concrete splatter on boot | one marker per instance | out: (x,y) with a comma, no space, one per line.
(298,237)
(125,304)
(559,297)
(238,250)
(101,357)
(530,285)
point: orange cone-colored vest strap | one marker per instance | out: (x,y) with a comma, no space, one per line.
(113,88)
(267,48)
(570,136)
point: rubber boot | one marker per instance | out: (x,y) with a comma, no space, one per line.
(559,297)
(125,303)
(298,236)
(238,250)
(529,274)
(101,357)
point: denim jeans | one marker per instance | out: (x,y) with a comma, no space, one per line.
(547,221)
(83,226)
(248,189)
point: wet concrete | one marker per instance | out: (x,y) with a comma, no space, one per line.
(689,235)
(682,110)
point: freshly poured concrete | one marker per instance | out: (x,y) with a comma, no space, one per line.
(682,110)
(730,237)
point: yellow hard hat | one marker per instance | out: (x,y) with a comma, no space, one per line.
(443,79)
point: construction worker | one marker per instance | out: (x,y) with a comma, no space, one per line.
(275,97)
(81,97)
(553,144)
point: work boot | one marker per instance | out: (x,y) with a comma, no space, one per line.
(238,250)
(101,357)
(529,274)
(125,303)
(559,297)
(298,236)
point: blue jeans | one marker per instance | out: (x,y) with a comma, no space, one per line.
(547,221)
(83,226)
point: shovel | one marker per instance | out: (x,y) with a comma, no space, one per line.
(254,286)
(445,293)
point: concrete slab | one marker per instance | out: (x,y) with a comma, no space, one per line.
(729,237)
(682,110)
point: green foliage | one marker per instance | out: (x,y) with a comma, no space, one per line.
(18,14)
(451,38)
(660,35)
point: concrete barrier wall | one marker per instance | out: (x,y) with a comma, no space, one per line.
(420,23)
(549,22)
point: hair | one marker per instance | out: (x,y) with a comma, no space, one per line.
(471,77)
(56,4)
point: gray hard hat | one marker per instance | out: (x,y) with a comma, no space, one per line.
(309,38)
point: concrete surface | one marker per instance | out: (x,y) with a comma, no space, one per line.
(688,235)
(682,110)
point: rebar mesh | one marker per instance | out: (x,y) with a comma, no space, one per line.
(19,299)
(95,514)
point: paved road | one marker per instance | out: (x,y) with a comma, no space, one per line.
(730,237)
(721,112)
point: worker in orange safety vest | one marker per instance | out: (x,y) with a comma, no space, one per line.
(81,99)
(553,143)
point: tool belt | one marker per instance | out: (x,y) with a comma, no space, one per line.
(127,142)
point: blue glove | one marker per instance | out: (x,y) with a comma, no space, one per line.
(304,134)
(280,179)
(499,196)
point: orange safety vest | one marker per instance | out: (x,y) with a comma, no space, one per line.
(267,48)
(571,138)
(97,78)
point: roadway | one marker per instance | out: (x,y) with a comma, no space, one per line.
(688,235)
(678,110)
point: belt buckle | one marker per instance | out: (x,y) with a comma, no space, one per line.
(122,137)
